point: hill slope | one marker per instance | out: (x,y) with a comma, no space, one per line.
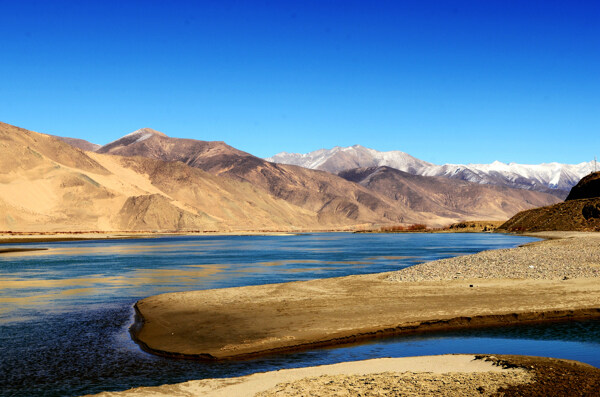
(332,198)
(48,185)
(581,211)
(588,187)
(450,198)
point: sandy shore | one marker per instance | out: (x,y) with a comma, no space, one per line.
(447,375)
(27,237)
(548,280)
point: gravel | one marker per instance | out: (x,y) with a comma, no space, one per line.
(400,384)
(576,256)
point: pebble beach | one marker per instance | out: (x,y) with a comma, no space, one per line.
(565,256)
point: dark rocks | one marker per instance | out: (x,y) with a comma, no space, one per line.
(588,187)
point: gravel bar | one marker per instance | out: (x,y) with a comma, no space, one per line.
(555,259)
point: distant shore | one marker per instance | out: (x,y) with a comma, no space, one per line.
(41,237)
(9,237)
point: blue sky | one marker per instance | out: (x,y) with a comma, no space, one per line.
(471,81)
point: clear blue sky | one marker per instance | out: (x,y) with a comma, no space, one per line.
(472,81)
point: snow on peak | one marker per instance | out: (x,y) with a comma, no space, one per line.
(527,176)
(144,131)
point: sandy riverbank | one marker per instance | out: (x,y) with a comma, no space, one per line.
(548,280)
(26,237)
(447,375)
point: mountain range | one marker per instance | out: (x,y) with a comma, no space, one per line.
(554,178)
(149,181)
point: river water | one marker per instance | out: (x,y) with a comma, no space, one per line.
(65,311)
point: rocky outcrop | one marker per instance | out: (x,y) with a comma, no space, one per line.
(588,187)
(581,211)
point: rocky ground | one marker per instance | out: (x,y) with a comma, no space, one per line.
(556,259)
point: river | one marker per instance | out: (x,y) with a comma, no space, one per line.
(65,311)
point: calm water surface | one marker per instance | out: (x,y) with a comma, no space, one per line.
(65,311)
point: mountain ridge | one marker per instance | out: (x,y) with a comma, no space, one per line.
(554,178)
(446,196)
(332,195)
(147,180)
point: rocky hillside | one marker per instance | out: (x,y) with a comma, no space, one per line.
(384,196)
(581,211)
(554,178)
(447,197)
(588,187)
(49,185)
(332,198)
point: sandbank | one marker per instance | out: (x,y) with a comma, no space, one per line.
(448,375)
(467,291)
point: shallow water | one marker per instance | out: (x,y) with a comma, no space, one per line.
(65,311)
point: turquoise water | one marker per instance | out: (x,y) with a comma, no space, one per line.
(65,311)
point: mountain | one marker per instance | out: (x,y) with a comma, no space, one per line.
(345,158)
(149,181)
(554,178)
(447,197)
(580,212)
(48,185)
(79,143)
(332,198)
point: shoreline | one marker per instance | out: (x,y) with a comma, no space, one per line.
(428,326)
(306,314)
(451,375)
(43,237)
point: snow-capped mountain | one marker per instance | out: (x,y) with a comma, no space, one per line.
(346,158)
(136,136)
(540,177)
(547,177)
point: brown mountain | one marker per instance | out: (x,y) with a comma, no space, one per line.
(149,181)
(581,211)
(48,185)
(332,198)
(447,197)
(384,195)
(80,143)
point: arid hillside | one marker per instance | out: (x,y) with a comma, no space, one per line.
(588,187)
(581,211)
(448,197)
(48,185)
(386,195)
(331,197)
(147,181)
